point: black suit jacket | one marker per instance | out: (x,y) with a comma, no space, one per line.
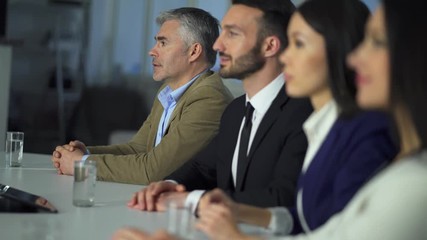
(274,162)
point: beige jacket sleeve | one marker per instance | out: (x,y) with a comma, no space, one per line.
(138,144)
(193,124)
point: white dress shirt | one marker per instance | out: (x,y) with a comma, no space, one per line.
(316,128)
(391,206)
(261,102)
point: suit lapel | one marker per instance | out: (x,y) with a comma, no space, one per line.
(267,122)
(181,101)
(157,114)
(330,142)
(269,119)
(229,143)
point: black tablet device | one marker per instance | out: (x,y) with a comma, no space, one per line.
(15,200)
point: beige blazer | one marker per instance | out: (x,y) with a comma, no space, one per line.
(193,124)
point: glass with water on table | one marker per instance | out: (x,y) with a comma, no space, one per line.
(14,149)
(84,183)
(180,219)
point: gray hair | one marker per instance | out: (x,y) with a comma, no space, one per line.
(196,26)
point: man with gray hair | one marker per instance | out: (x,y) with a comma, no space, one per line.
(184,117)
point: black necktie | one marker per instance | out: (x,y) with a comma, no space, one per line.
(244,138)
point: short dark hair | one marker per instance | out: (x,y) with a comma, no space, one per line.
(407,44)
(275,19)
(196,25)
(342,24)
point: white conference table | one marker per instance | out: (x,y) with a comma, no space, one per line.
(110,212)
(37,176)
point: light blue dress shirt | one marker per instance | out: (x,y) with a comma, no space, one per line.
(169,98)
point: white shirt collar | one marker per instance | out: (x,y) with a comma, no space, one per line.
(320,122)
(316,128)
(262,100)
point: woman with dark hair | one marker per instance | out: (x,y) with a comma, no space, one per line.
(391,76)
(346,146)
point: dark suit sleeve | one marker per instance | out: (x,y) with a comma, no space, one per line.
(199,172)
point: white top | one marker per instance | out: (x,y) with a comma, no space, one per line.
(392,206)
(261,102)
(316,128)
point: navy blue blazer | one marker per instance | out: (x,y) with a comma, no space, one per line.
(353,151)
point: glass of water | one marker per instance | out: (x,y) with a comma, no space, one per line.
(14,148)
(180,219)
(84,183)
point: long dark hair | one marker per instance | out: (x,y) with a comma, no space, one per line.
(407,43)
(342,24)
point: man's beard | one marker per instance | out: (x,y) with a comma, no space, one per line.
(245,65)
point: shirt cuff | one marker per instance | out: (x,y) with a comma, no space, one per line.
(85,157)
(193,199)
(170,180)
(281,222)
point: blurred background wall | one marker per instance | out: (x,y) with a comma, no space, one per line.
(76,63)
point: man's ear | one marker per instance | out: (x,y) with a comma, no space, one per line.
(271,46)
(195,51)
